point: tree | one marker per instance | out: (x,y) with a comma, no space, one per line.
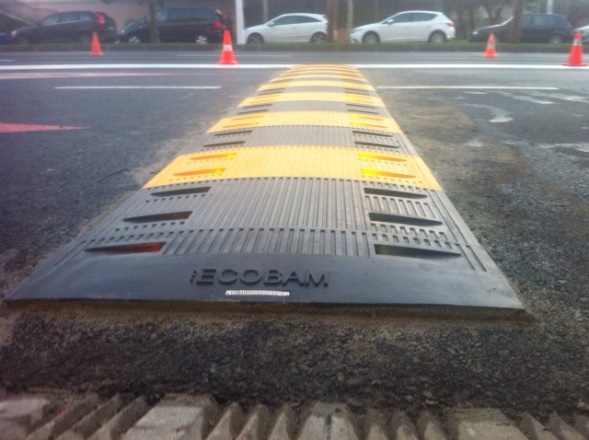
(516,23)
(350,16)
(331,13)
(265,10)
(154,30)
(462,8)
(494,8)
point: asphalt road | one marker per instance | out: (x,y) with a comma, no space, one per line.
(128,122)
(55,182)
(507,139)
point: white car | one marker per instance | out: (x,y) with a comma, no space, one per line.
(289,28)
(430,26)
(584,33)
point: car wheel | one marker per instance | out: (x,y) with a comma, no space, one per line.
(318,37)
(437,37)
(556,39)
(201,39)
(370,37)
(255,39)
(84,38)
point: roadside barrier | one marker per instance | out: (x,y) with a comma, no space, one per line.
(490,50)
(576,54)
(227,56)
(95,50)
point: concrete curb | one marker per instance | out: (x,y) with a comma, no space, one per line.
(53,416)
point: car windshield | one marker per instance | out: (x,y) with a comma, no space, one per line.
(52,19)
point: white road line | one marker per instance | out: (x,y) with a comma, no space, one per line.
(143,66)
(240,55)
(137,88)
(499,115)
(58,75)
(471,66)
(286,66)
(463,88)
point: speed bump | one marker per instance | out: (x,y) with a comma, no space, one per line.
(309,118)
(348,98)
(316,83)
(297,161)
(303,195)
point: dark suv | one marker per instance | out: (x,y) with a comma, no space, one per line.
(184,24)
(535,28)
(68,27)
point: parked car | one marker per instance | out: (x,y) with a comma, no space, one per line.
(535,28)
(68,27)
(430,26)
(200,25)
(4,36)
(584,33)
(289,28)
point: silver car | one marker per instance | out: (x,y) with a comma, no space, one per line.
(430,26)
(289,28)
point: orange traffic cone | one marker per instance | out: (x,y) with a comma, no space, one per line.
(576,55)
(96,51)
(227,53)
(490,50)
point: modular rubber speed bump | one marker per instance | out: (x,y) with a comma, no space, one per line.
(297,161)
(348,98)
(309,118)
(309,193)
(317,83)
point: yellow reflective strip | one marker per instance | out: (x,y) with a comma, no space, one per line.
(216,156)
(345,84)
(350,98)
(299,161)
(372,156)
(310,118)
(207,172)
(334,76)
(314,67)
(380,173)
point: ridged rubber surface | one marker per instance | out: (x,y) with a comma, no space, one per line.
(303,201)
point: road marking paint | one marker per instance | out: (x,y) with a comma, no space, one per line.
(137,88)
(287,66)
(241,55)
(142,66)
(499,115)
(525,98)
(22,128)
(467,66)
(463,88)
(58,75)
